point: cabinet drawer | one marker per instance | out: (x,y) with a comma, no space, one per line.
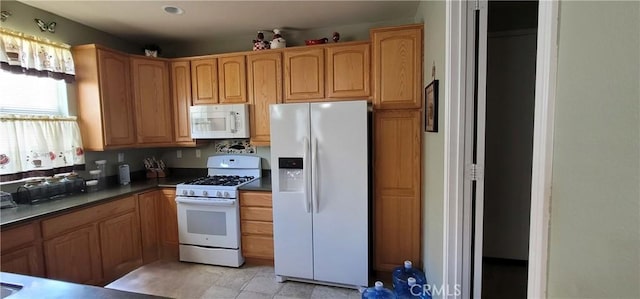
(257,247)
(255,199)
(256,213)
(60,224)
(256,227)
(21,235)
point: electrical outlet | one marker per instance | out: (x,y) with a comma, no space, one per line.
(179,154)
(120,157)
(197,153)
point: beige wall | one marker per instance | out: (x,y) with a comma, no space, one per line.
(432,14)
(594,246)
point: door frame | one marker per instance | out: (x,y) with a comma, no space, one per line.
(457,245)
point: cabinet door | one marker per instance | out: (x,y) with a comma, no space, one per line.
(204,81)
(169,224)
(397,67)
(75,256)
(265,88)
(116,99)
(120,245)
(152,100)
(232,80)
(27,261)
(303,75)
(181,98)
(348,71)
(148,203)
(397,193)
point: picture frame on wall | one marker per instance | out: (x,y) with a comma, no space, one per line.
(431,107)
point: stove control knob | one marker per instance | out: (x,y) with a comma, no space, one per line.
(218,194)
(205,193)
(184,192)
(226,194)
(191,193)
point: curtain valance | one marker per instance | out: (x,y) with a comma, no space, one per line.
(21,53)
(39,146)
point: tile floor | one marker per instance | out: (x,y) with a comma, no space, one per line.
(187,280)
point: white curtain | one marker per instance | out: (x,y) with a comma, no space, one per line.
(32,53)
(38,146)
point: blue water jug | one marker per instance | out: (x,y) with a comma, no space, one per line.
(401,277)
(378,292)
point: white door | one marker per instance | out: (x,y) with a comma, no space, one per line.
(292,222)
(340,195)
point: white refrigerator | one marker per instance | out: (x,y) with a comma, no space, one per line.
(319,164)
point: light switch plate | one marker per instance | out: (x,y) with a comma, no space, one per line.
(197,153)
(120,157)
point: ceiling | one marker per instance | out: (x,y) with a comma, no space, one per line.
(205,20)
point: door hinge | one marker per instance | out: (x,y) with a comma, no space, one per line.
(474,172)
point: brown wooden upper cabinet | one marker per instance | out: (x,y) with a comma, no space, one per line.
(152,100)
(181,101)
(232,79)
(204,81)
(303,74)
(348,71)
(265,87)
(105,103)
(397,67)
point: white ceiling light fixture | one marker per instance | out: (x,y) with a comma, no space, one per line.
(172,10)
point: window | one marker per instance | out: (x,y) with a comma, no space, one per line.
(22,94)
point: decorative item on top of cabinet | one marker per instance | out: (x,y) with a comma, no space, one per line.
(398,189)
(232,79)
(397,67)
(303,74)
(278,41)
(152,100)
(105,105)
(260,43)
(348,71)
(264,78)
(181,99)
(204,81)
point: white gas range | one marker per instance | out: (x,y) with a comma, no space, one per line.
(209,213)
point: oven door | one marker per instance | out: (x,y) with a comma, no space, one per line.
(208,222)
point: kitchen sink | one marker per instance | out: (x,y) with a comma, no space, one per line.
(7,289)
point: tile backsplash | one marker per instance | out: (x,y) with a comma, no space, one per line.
(189,156)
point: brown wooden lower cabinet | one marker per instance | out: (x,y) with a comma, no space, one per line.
(148,209)
(75,256)
(256,226)
(22,250)
(93,245)
(397,188)
(169,224)
(120,245)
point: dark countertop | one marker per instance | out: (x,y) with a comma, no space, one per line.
(26,212)
(36,287)
(261,184)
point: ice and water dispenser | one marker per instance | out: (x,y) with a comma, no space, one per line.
(291,174)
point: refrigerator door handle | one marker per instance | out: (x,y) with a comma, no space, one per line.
(305,161)
(314,175)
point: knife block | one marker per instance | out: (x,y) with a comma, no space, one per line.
(157,173)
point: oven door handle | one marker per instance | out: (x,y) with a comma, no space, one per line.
(217,202)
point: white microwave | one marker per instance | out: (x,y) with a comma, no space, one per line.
(219,121)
